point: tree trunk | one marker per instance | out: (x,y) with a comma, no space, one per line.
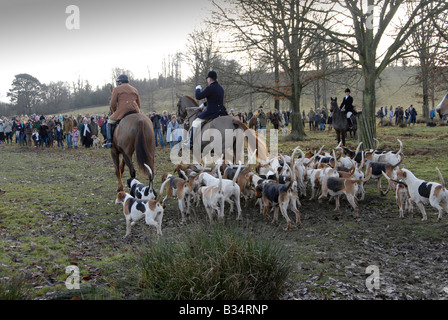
(367,121)
(297,130)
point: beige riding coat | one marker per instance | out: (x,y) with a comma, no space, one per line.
(125,98)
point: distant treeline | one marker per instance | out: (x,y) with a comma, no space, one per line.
(28,95)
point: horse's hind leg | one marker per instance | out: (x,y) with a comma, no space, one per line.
(130,165)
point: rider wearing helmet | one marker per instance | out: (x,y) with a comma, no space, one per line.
(125,98)
(347,107)
(214,93)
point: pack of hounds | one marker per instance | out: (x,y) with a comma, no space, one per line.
(277,184)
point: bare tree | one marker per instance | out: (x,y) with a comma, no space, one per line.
(359,35)
(279,37)
(429,48)
(201,54)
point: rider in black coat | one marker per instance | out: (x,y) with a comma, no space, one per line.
(347,106)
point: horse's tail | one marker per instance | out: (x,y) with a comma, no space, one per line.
(142,152)
(260,146)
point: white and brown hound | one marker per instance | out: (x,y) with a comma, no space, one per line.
(182,190)
(376,169)
(335,187)
(136,209)
(423,193)
(213,198)
(402,196)
(230,188)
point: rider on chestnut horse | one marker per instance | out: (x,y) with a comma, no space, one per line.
(125,99)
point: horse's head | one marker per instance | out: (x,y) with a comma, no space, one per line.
(442,108)
(183,104)
(181,110)
(333,104)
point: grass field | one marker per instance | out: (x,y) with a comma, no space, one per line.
(59,211)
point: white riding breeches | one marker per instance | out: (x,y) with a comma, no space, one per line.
(349,114)
(197,123)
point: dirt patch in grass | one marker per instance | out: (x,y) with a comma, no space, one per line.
(59,211)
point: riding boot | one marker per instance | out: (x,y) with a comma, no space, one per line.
(108,142)
(189,142)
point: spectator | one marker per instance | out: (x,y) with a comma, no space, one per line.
(432,114)
(75,136)
(317,119)
(86,135)
(104,128)
(164,119)
(261,120)
(172,132)
(276,119)
(7,128)
(322,122)
(380,114)
(28,132)
(35,137)
(391,114)
(93,127)
(311,115)
(59,136)
(43,133)
(413,115)
(155,118)
(67,127)
(2,132)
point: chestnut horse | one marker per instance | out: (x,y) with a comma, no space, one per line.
(134,133)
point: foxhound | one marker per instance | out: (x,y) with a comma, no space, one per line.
(136,209)
(424,193)
(182,190)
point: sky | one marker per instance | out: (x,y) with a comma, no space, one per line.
(42,37)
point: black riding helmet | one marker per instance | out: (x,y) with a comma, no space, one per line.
(122,79)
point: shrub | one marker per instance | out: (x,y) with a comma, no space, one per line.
(217,262)
(13,289)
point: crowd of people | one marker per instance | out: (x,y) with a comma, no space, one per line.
(60,132)
(69,131)
(400,115)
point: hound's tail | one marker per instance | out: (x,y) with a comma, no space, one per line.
(441,178)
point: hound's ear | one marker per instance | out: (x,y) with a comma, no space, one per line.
(404,174)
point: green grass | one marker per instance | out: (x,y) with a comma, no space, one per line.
(59,210)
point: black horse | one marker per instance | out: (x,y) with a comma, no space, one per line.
(341,123)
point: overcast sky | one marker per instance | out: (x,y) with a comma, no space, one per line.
(129,34)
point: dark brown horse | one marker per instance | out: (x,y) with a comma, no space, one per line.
(134,133)
(340,123)
(188,109)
